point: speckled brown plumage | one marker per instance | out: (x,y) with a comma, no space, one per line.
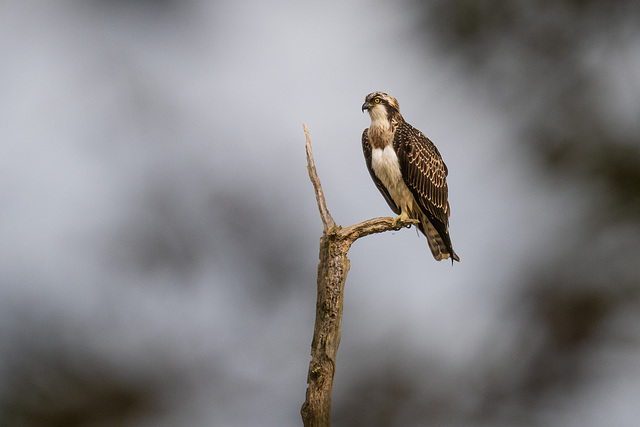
(421,168)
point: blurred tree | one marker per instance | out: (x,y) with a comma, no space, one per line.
(48,382)
(552,63)
(561,70)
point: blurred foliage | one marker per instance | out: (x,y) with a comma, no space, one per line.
(61,382)
(64,398)
(394,398)
(550,66)
(557,69)
(51,373)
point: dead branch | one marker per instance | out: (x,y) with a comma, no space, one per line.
(327,220)
(332,273)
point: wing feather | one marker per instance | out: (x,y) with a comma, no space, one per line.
(424,172)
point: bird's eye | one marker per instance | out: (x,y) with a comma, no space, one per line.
(377,100)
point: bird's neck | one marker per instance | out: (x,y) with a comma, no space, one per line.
(382,128)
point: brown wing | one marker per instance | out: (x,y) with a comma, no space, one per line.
(423,171)
(366,148)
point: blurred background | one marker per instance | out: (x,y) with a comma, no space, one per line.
(159,235)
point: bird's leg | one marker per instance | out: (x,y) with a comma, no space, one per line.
(403,217)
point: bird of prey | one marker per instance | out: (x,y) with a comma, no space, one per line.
(409,172)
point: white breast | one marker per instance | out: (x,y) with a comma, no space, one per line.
(384,163)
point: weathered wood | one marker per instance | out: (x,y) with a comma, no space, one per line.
(332,274)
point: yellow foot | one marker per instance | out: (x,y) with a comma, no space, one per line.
(400,218)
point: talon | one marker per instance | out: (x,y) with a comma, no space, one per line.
(403,217)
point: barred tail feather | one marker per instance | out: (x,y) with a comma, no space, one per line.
(437,245)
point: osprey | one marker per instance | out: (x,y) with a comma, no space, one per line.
(409,172)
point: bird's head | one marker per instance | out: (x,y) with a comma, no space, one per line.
(381,107)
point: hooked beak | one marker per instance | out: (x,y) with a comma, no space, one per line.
(365,106)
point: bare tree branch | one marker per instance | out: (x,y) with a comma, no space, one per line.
(375,225)
(327,220)
(332,274)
